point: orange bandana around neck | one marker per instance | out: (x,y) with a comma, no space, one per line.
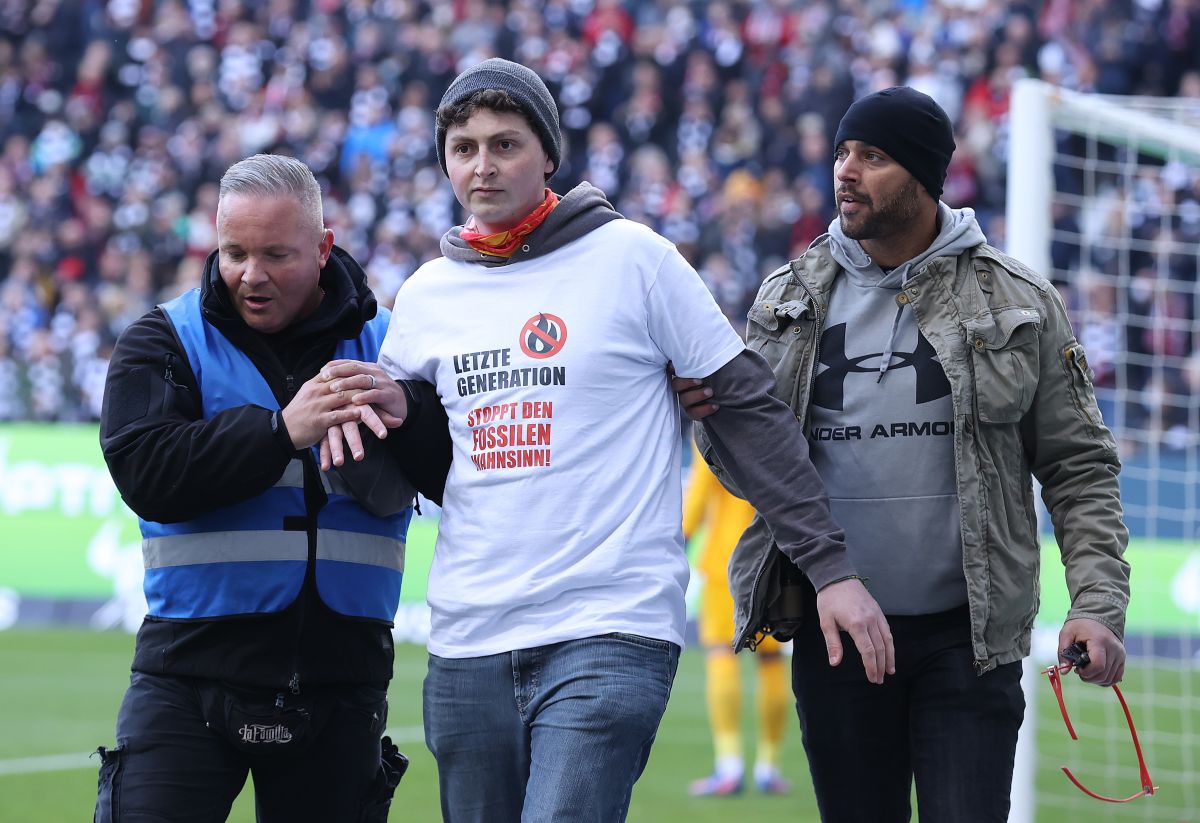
(504,243)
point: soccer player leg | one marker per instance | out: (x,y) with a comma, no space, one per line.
(855,732)
(332,775)
(475,728)
(773,709)
(964,737)
(167,765)
(722,692)
(596,704)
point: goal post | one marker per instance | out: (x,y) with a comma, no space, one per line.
(1103,198)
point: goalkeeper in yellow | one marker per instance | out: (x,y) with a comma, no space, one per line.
(724,517)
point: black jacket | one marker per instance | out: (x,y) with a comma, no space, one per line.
(171,465)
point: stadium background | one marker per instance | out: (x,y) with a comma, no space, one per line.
(711,122)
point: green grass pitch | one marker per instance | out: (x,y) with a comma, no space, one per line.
(60,690)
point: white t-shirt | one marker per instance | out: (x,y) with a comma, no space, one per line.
(561,515)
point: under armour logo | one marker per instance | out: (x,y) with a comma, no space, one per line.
(829,389)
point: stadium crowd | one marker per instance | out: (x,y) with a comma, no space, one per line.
(710,121)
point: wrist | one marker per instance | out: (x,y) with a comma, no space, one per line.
(844,578)
(280,433)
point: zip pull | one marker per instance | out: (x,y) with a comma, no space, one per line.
(294,683)
(291,386)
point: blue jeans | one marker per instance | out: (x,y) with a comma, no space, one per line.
(186,745)
(935,719)
(554,733)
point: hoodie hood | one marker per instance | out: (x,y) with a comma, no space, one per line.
(581,210)
(959,232)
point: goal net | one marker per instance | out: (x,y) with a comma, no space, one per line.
(1104,198)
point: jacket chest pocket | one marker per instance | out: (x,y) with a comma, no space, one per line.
(1005,359)
(778,330)
(773,326)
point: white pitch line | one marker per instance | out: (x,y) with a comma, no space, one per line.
(401,736)
(47,763)
(406,734)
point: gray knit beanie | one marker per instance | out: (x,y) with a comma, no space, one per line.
(524,86)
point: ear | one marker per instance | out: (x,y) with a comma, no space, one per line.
(324,247)
(548,168)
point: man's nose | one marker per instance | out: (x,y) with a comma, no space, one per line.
(254,272)
(484,166)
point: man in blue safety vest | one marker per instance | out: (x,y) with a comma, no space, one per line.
(271,585)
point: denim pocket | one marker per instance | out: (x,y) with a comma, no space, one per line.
(644,642)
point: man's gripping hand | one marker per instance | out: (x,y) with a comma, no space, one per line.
(847,606)
(1106,653)
(374,398)
(694,395)
(313,411)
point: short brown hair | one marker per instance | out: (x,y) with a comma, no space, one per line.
(498,100)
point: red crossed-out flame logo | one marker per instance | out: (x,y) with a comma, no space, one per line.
(543,336)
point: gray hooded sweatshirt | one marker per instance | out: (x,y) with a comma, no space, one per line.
(881,428)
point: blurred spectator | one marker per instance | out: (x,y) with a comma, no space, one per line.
(712,122)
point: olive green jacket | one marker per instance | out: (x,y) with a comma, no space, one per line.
(1023,406)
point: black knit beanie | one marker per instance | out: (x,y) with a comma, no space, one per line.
(524,86)
(909,126)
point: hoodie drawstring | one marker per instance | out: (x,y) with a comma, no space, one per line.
(886,359)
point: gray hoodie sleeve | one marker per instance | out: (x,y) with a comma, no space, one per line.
(757,448)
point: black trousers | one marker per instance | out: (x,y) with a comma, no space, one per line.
(935,720)
(185,747)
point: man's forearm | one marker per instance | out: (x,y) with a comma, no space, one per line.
(422,446)
(758,449)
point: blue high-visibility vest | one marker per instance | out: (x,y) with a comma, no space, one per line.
(240,559)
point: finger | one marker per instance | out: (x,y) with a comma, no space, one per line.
(341,368)
(833,644)
(866,650)
(326,456)
(370,417)
(889,646)
(696,396)
(1093,672)
(1099,667)
(337,455)
(353,439)
(880,650)
(334,369)
(682,384)
(389,420)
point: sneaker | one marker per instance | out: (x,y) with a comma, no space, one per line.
(715,786)
(772,784)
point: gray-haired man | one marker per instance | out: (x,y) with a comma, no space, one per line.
(271,587)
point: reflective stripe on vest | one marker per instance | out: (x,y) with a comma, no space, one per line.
(239,559)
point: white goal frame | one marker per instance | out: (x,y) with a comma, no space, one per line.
(1038,110)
